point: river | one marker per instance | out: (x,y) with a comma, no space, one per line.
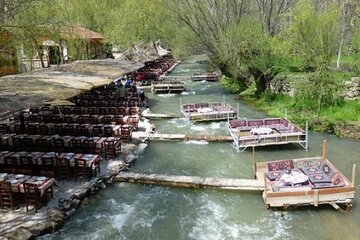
(135,211)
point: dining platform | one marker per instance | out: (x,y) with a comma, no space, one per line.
(32,190)
(264,132)
(62,166)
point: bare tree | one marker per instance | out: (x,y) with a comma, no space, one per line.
(209,18)
(270,12)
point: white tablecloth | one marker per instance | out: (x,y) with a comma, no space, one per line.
(204,110)
(261,131)
(294,177)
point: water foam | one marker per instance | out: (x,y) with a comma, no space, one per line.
(188,93)
(197,142)
(166,95)
(119,220)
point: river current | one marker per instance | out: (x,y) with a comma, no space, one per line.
(135,211)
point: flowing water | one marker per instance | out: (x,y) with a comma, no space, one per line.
(135,211)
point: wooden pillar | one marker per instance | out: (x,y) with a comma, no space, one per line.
(324,151)
(353,175)
(265,185)
(254,161)
(316,198)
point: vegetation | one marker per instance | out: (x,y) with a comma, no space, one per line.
(251,42)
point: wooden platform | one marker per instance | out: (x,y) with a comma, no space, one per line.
(324,184)
(264,132)
(167,86)
(191,181)
(204,112)
(207,76)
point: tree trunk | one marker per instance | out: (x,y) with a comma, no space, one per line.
(339,54)
(260,81)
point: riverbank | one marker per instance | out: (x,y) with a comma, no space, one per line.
(341,120)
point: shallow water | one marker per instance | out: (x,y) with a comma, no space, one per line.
(134,211)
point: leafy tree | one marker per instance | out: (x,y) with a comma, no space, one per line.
(247,49)
(312,35)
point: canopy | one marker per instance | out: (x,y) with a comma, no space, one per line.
(56,84)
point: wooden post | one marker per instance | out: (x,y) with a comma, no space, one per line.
(237,111)
(324,151)
(254,161)
(307,135)
(353,175)
(316,196)
(265,185)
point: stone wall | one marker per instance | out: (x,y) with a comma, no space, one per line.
(284,84)
(352,89)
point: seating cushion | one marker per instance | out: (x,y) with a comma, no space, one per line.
(280,165)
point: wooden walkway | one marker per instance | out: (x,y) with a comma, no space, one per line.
(191,181)
(150,115)
(180,137)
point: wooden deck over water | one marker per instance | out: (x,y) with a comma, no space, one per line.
(191,181)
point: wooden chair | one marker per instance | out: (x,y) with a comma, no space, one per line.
(90,147)
(56,119)
(76,145)
(106,119)
(126,133)
(26,165)
(43,145)
(82,119)
(68,119)
(81,171)
(32,129)
(59,145)
(108,131)
(112,110)
(77,110)
(33,196)
(18,129)
(91,119)
(59,129)
(63,168)
(69,130)
(4,128)
(7,198)
(17,143)
(97,131)
(81,130)
(91,110)
(47,168)
(28,144)
(122,111)
(43,129)
(102,111)
(111,149)
(66,110)
(10,164)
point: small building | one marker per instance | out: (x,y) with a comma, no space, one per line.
(74,43)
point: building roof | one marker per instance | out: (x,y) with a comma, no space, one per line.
(21,91)
(80,32)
